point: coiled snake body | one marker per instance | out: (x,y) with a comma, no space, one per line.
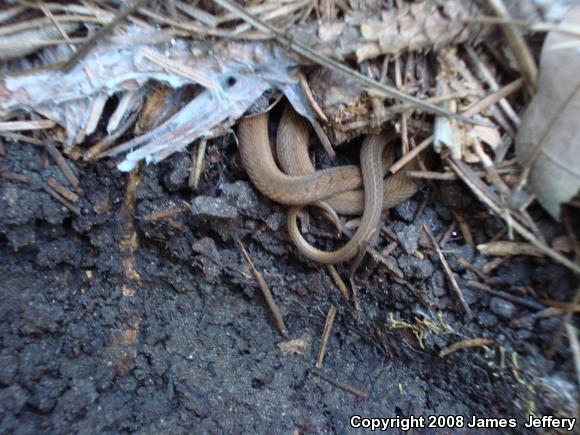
(301,184)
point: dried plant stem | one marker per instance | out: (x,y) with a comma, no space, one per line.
(338,281)
(50,15)
(448,271)
(329,63)
(267,293)
(517,44)
(525,302)
(197,165)
(106,29)
(456,166)
(63,191)
(73,208)
(464,344)
(541,26)
(410,155)
(326,335)
(41,124)
(62,164)
(575,347)
(346,387)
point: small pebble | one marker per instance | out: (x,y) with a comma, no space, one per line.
(213,207)
(502,308)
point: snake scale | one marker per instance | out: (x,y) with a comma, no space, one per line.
(340,188)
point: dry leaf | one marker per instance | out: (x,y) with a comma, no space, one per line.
(551,122)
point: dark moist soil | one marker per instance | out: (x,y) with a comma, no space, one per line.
(114,322)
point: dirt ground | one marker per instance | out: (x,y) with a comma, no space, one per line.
(113,321)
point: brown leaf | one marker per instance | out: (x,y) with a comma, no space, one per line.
(551,122)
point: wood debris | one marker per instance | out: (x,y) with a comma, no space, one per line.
(472,342)
(298,346)
(266,293)
(325,335)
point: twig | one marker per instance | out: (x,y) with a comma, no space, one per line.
(338,281)
(472,342)
(283,13)
(13,176)
(389,262)
(163,214)
(456,166)
(567,319)
(574,347)
(490,266)
(130,101)
(346,387)
(40,124)
(507,249)
(97,107)
(310,97)
(197,165)
(410,155)
(17,137)
(459,65)
(517,44)
(267,293)
(329,63)
(448,271)
(197,14)
(528,303)
(50,15)
(200,30)
(325,335)
(179,69)
(491,171)
(404,115)
(447,235)
(106,29)
(323,138)
(498,95)
(421,208)
(530,318)
(60,199)
(542,26)
(10,13)
(63,191)
(43,22)
(62,164)
(388,250)
(101,146)
(432,175)
(472,268)
(464,228)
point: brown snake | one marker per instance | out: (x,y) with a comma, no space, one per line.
(303,185)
